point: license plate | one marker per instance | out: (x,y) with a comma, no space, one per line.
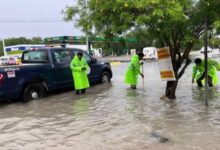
(11,74)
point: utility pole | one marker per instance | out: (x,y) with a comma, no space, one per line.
(88,43)
(4,50)
(206,61)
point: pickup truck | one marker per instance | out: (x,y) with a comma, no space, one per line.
(46,70)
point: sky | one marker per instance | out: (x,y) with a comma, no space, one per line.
(23,18)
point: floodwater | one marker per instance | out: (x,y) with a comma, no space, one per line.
(114,117)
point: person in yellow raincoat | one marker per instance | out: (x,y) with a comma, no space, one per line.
(133,70)
(79,69)
(198,71)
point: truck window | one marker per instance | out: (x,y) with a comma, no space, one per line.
(85,55)
(62,57)
(35,57)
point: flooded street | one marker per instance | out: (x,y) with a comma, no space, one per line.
(114,117)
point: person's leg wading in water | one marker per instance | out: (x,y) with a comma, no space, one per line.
(83,91)
(133,87)
(77,92)
(199,81)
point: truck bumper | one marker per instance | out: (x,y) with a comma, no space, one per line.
(3,96)
(8,96)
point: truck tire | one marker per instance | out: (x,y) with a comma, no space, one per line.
(33,91)
(106,77)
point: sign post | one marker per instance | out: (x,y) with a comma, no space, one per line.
(165,64)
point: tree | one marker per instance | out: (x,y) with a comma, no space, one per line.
(37,40)
(20,40)
(23,40)
(177,24)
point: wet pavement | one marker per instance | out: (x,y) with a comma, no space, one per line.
(114,117)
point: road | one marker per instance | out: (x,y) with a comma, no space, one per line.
(114,117)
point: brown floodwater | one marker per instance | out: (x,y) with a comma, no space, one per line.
(114,117)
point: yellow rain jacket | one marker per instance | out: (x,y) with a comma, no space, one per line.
(198,70)
(133,70)
(80,77)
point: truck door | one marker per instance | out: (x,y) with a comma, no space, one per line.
(62,59)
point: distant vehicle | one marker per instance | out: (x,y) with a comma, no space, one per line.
(97,52)
(9,60)
(46,70)
(150,53)
(12,61)
(3,60)
(209,50)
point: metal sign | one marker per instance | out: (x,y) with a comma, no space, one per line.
(165,64)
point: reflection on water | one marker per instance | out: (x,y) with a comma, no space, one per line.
(112,116)
(81,106)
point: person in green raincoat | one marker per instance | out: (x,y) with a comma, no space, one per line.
(133,70)
(198,72)
(79,69)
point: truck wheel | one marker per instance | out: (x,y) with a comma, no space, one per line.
(33,91)
(105,77)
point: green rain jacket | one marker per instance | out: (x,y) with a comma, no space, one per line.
(80,77)
(198,70)
(133,71)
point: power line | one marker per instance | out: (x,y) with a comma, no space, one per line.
(29,20)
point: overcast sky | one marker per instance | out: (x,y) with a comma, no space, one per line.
(17,16)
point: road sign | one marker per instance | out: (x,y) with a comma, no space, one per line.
(165,64)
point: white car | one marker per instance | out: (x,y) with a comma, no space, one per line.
(209,50)
(150,53)
(3,60)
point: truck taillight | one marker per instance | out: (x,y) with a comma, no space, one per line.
(1,78)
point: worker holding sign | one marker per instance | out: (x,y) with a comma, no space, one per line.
(134,70)
(198,72)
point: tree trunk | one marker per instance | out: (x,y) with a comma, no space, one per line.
(171,89)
